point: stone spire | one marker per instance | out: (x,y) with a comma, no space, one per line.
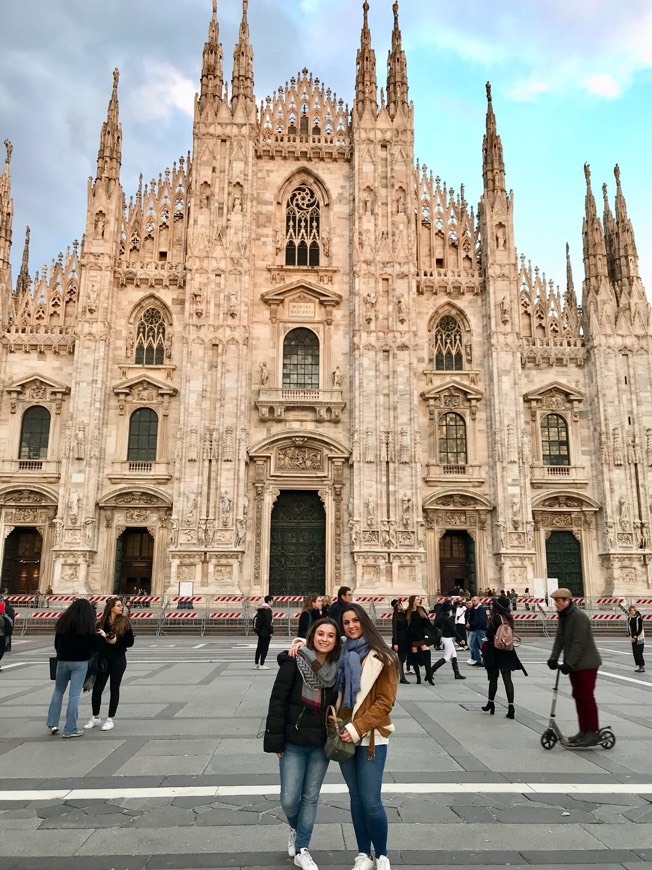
(212,77)
(109,158)
(397,72)
(242,82)
(493,164)
(22,282)
(366,83)
(595,250)
(610,234)
(625,244)
(6,215)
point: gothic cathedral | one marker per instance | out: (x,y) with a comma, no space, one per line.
(297,360)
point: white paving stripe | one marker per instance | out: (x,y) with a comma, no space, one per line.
(216,791)
(626,679)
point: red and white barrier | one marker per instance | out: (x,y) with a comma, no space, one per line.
(227,599)
(227,615)
(178,598)
(100,598)
(529,617)
(369,599)
(646,615)
(62,597)
(385,615)
(45,614)
(144,599)
(578,600)
(185,614)
(609,600)
(530,600)
(291,598)
(606,617)
(142,614)
(643,601)
(21,599)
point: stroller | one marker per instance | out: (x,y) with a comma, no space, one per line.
(552,735)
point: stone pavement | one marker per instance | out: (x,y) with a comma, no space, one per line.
(182,781)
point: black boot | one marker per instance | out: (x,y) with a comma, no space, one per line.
(415,667)
(402,673)
(510,712)
(427,661)
(438,664)
(489,707)
(456,670)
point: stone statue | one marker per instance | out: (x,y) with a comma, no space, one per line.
(264,373)
(337,377)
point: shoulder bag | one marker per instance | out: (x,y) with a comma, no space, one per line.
(335,748)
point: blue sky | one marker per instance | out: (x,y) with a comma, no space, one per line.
(572,82)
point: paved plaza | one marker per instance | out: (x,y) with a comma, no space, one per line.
(182,781)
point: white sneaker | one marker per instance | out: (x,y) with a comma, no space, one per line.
(382,863)
(263,668)
(304,860)
(256,667)
(470,661)
(108,725)
(363,862)
(292,839)
(92,722)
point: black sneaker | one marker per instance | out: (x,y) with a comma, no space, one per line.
(589,738)
(53,729)
(575,737)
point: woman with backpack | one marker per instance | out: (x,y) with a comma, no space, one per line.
(499,654)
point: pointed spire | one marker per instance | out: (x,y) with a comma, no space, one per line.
(6,213)
(595,250)
(625,243)
(610,237)
(366,83)
(109,158)
(493,165)
(242,82)
(570,284)
(22,282)
(397,72)
(212,83)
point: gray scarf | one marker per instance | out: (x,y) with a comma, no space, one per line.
(315,675)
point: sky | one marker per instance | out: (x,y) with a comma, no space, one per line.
(571,79)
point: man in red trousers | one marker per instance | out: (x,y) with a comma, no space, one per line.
(581,662)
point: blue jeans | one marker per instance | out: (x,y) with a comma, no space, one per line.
(75,674)
(475,639)
(364,777)
(303,769)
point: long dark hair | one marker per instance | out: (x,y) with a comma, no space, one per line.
(120,625)
(412,609)
(385,653)
(79,618)
(334,654)
(309,602)
(499,613)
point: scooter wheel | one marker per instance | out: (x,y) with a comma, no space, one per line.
(549,739)
(607,738)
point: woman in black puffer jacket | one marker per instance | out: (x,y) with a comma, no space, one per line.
(296,729)
(500,661)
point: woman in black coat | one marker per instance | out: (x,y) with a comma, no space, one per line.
(310,613)
(400,635)
(296,730)
(637,636)
(446,624)
(500,661)
(111,661)
(420,633)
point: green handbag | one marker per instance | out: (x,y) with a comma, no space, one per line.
(335,748)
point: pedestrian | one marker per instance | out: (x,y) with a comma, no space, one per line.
(460,619)
(419,632)
(400,635)
(263,626)
(477,627)
(111,661)
(76,640)
(310,613)
(526,594)
(636,634)
(513,599)
(581,662)
(367,681)
(344,597)
(296,730)
(9,612)
(325,605)
(498,660)
(6,627)
(449,631)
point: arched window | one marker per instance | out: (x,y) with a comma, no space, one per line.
(452,440)
(301,360)
(143,434)
(448,345)
(150,338)
(35,433)
(302,228)
(554,440)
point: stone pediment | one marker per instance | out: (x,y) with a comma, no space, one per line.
(452,395)
(36,388)
(144,390)
(554,388)
(302,294)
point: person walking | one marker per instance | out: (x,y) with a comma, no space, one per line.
(419,631)
(367,682)
(449,631)
(112,661)
(5,630)
(344,597)
(76,640)
(399,635)
(264,629)
(461,606)
(310,613)
(296,730)
(10,612)
(636,634)
(574,638)
(498,660)
(477,626)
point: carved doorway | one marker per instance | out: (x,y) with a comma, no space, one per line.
(457,562)
(21,567)
(564,561)
(134,560)
(297,562)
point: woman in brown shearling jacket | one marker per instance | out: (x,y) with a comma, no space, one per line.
(367,681)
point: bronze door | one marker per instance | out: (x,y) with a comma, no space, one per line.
(134,558)
(21,568)
(297,562)
(564,561)
(457,562)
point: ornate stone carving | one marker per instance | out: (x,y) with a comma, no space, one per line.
(617,446)
(298,459)
(369,446)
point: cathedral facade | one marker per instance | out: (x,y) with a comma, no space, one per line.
(297,360)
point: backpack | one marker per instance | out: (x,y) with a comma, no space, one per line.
(255,623)
(505,637)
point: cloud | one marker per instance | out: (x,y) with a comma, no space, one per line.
(603,85)
(164,90)
(528,89)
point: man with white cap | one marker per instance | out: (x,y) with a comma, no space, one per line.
(581,662)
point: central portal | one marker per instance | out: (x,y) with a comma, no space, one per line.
(297,561)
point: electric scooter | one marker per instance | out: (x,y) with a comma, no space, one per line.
(552,735)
